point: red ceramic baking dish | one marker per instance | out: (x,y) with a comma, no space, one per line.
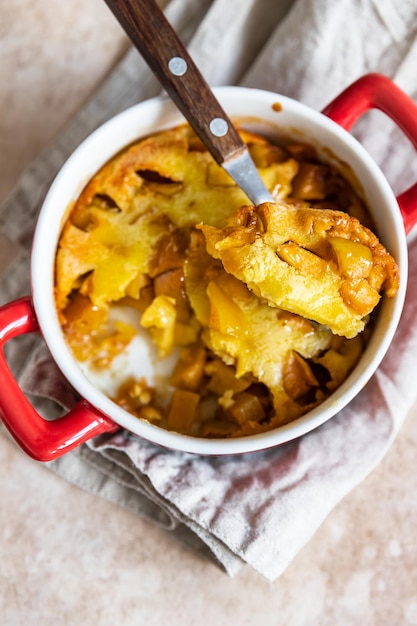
(329,132)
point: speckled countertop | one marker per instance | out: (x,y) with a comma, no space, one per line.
(68,557)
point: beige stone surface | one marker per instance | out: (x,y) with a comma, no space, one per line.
(52,55)
(68,557)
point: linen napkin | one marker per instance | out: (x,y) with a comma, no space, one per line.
(258,508)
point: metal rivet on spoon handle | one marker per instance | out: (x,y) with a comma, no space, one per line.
(151,33)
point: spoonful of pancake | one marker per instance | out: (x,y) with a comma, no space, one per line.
(321,264)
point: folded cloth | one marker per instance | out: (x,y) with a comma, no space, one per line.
(258,508)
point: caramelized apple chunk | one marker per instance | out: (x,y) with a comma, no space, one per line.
(160,318)
(298,377)
(182,410)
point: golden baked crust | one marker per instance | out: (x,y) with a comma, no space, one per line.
(321,264)
(165,180)
(244,365)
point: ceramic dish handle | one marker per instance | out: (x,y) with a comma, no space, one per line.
(375,91)
(41,439)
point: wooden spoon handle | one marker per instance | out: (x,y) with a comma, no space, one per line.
(151,33)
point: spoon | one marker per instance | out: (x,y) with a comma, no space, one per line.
(151,33)
(293,277)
